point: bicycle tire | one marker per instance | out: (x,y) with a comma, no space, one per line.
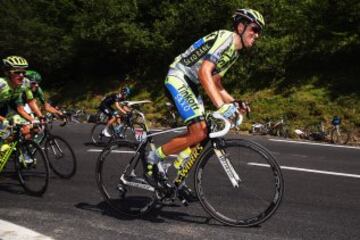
(62,159)
(33,176)
(123,199)
(97,137)
(259,194)
(340,138)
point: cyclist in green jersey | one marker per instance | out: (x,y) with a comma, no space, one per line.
(203,64)
(14,69)
(31,81)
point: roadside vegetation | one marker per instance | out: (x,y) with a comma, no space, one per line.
(305,68)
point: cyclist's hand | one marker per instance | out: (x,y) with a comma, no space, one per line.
(228,110)
(243,107)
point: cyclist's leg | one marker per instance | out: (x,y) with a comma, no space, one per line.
(111,119)
(191,111)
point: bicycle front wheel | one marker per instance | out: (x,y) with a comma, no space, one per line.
(248,199)
(32,167)
(61,156)
(121,183)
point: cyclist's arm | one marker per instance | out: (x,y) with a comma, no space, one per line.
(120,108)
(208,82)
(21,110)
(51,109)
(127,109)
(227,98)
(28,95)
(34,107)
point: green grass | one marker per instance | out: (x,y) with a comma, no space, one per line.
(299,106)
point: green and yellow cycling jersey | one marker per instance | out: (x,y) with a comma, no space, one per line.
(217,47)
(13,96)
(31,94)
(5,92)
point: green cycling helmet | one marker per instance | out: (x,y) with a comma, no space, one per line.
(15,62)
(250,15)
(33,76)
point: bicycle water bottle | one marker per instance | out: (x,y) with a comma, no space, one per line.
(182,158)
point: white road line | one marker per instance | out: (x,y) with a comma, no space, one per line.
(10,231)
(313,143)
(309,170)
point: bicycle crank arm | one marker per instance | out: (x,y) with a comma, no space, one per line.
(141,185)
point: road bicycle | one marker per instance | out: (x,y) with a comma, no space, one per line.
(237,181)
(336,133)
(132,126)
(278,128)
(31,165)
(61,156)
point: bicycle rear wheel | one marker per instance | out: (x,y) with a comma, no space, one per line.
(260,189)
(120,183)
(61,156)
(96,135)
(32,167)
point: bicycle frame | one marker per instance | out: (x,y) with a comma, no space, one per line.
(18,137)
(5,158)
(197,152)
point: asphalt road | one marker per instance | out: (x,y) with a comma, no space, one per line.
(321,201)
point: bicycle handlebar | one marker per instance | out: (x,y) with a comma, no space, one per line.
(131,103)
(224,131)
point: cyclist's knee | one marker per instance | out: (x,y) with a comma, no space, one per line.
(197,132)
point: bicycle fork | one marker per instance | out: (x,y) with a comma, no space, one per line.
(54,144)
(227,166)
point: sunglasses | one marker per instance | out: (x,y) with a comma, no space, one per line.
(17,72)
(256,29)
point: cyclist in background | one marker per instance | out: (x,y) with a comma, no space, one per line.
(203,64)
(31,81)
(12,89)
(106,107)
